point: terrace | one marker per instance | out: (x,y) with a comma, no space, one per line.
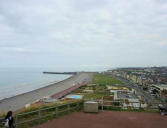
(108,119)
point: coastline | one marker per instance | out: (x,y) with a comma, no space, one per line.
(17,81)
(47,84)
(19,101)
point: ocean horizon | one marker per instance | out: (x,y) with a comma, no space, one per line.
(15,81)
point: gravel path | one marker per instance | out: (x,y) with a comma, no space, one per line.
(108,119)
(19,101)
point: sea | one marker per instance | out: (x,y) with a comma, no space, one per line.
(14,81)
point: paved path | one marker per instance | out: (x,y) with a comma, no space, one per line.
(19,101)
(108,119)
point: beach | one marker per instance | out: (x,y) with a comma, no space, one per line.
(19,101)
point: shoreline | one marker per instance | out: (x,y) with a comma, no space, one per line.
(19,101)
(13,83)
(46,84)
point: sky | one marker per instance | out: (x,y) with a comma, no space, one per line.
(83,34)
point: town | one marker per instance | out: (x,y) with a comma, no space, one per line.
(151,82)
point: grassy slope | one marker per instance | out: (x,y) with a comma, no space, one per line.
(105,80)
(95,96)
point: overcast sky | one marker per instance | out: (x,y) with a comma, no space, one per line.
(83,34)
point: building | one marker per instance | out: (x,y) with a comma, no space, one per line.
(114,88)
(158,89)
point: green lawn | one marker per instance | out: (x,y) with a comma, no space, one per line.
(94,96)
(105,80)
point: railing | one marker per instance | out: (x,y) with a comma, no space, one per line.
(125,105)
(37,115)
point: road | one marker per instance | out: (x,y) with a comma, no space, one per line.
(19,101)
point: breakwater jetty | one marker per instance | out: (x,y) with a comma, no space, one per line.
(64,73)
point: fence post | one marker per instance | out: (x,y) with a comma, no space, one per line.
(39,115)
(78,105)
(102,104)
(68,108)
(56,112)
(16,121)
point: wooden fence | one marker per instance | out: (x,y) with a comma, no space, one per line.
(40,114)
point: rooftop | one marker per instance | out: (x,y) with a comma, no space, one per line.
(161,86)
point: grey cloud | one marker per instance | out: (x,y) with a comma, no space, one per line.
(88,32)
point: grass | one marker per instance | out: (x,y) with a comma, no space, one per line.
(105,80)
(36,106)
(94,96)
(100,87)
(2,114)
